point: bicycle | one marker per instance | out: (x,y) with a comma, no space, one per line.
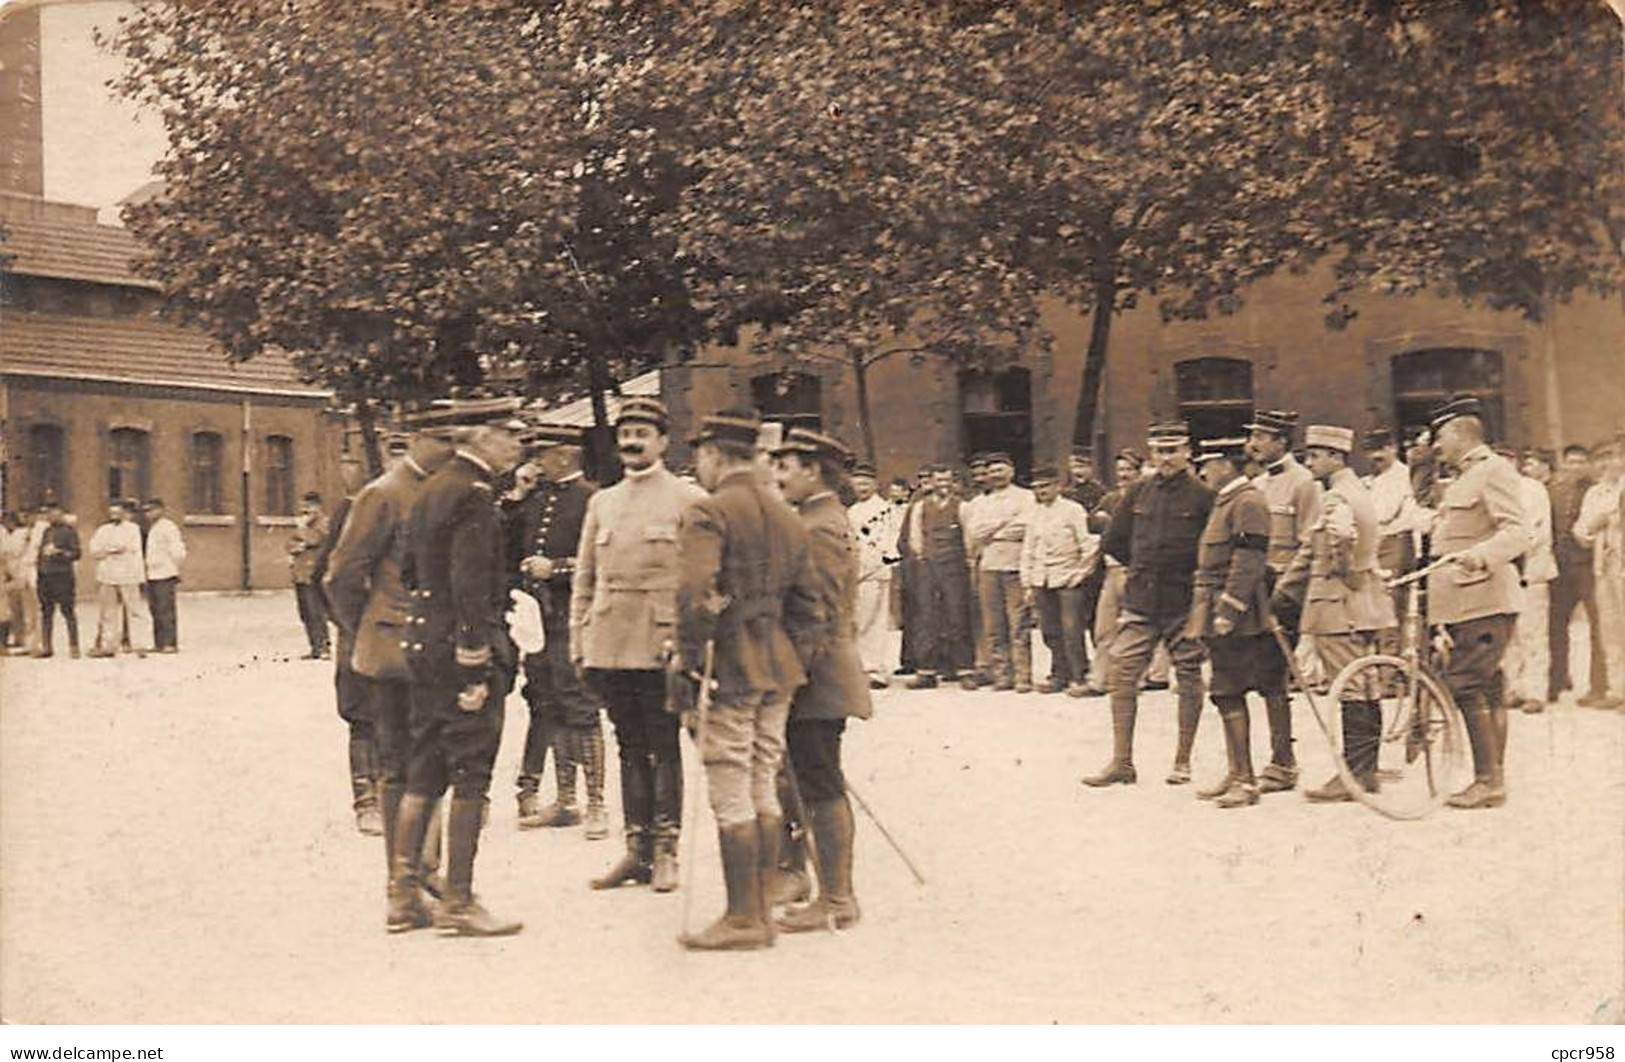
(1423,753)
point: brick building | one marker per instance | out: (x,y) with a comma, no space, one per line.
(100,399)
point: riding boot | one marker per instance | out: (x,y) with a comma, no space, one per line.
(769,838)
(787,875)
(1121,767)
(588,742)
(667,777)
(462,914)
(70,619)
(1190,715)
(1243,789)
(741,927)
(434,843)
(539,741)
(637,808)
(1281,773)
(405,907)
(364,785)
(1485,792)
(833,831)
(389,806)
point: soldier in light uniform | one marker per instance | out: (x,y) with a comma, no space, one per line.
(1481,524)
(748,589)
(874,521)
(563,711)
(623,625)
(1226,608)
(1294,501)
(462,663)
(1334,582)
(809,467)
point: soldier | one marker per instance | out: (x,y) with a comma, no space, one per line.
(623,621)
(809,470)
(563,712)
(1058,555)
(747,589)
(1335,583)
(462,664)
(1294,501)
(933,541)
(1154,533)
(995,528)
(874,521)
(1226,612)
(1082,486)
(371,606)
(1481,525)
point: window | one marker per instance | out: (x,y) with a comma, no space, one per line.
(1215,396)
(128,466)
(790,398)
(45,479)
(1424,379)
(208,457)
(278,475)
(997,411)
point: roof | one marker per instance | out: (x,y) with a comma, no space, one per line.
(47,247)
(137,350)
(578,414)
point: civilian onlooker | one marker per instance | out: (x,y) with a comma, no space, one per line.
(33,538)
(166,549)
(304,550)
(1526,664)
(1575,584)
(13,540)
(120,571)
(59,549)
(1058,555)
(1600,527)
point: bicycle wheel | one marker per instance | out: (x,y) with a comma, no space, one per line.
(1422,752)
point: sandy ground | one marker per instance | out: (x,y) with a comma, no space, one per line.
(178,847)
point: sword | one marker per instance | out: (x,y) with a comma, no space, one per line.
(702,710)
(895,847)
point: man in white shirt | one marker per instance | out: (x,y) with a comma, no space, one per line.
(994,530)
(1058,555)
(1527,664)
(166,549)
(120,571)
(875,523)
(1601,528)
(33,532)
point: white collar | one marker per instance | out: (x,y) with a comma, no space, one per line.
(640,474)
(477,461)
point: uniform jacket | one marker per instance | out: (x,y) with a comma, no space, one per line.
(363,583)
(1059,549)
(747,581)
(1480,512)
(117,550)
(66,541)
(837,686)
(166,549)
(1231,559)
(1154,533)
(1294,500)
(304,545)
(623,594)
(549,524)
(995,525)
(1538,564)
(1336,570)
(456,565)
(1599,527)
(1088,494)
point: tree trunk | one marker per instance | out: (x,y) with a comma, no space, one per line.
(860,381)
(1094,365)
(602,466)
(369,438)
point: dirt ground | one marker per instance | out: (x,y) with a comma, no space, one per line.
(176,846)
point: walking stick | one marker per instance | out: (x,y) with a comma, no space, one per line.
(867,810)
(812,843)
(702,709)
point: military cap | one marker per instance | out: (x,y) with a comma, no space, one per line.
(814,444)
(538,437)
(153,503)
(1231,449)
(1131,455)
(1329,437)
(640,409)
(999,457)
(1045,474)
(864,468)
(1275,421)
(1170,432)
(443,414)
(1459,406)
(1087,453)
(730,425)
(1376,439)
(977,460)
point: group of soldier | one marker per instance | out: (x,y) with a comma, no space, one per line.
(725,606)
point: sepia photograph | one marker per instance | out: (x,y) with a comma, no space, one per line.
(1098,514)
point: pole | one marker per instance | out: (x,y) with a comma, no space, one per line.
(919,878)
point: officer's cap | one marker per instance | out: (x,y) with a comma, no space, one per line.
(460,412)
(640,409)
(730,425)
(1377,439)
(1083,453)
(1458,406)
(1232,449)
(1168,433)
(1045,474)
(1329,437)
(539,437)
(1275,421)
(814,444)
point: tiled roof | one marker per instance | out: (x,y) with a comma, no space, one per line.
(43,247)
(135,350)
(578,414)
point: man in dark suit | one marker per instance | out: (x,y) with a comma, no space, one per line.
(745,586)
(809,468)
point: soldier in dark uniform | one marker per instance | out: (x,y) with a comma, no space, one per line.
(462,665)
(933,540)
(1154,533)
(809,467)
(563,712)
(371,606)
(1226,607)
(1481,523)
(746,586)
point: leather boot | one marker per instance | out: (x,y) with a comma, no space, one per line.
(665,875)
(1243,788)
(769,849)
(833,830)
(1226,706)
(530,809)
(741,927)
(434,844)
(1190,716)
(635,867)
(1486,791)
(1369,714)
(389,806)
(787,880)
(363,785)
(462,914)
(1121,767)
(405,908)
(667,776)
(588,742)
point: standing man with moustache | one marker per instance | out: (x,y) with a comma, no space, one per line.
(623,625)
(933,541)
(995,530)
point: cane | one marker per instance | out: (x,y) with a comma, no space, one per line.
(895,847)
(689,837)
(807,835)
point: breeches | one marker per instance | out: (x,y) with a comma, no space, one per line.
(814,749)
(451,747)
(743,750)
